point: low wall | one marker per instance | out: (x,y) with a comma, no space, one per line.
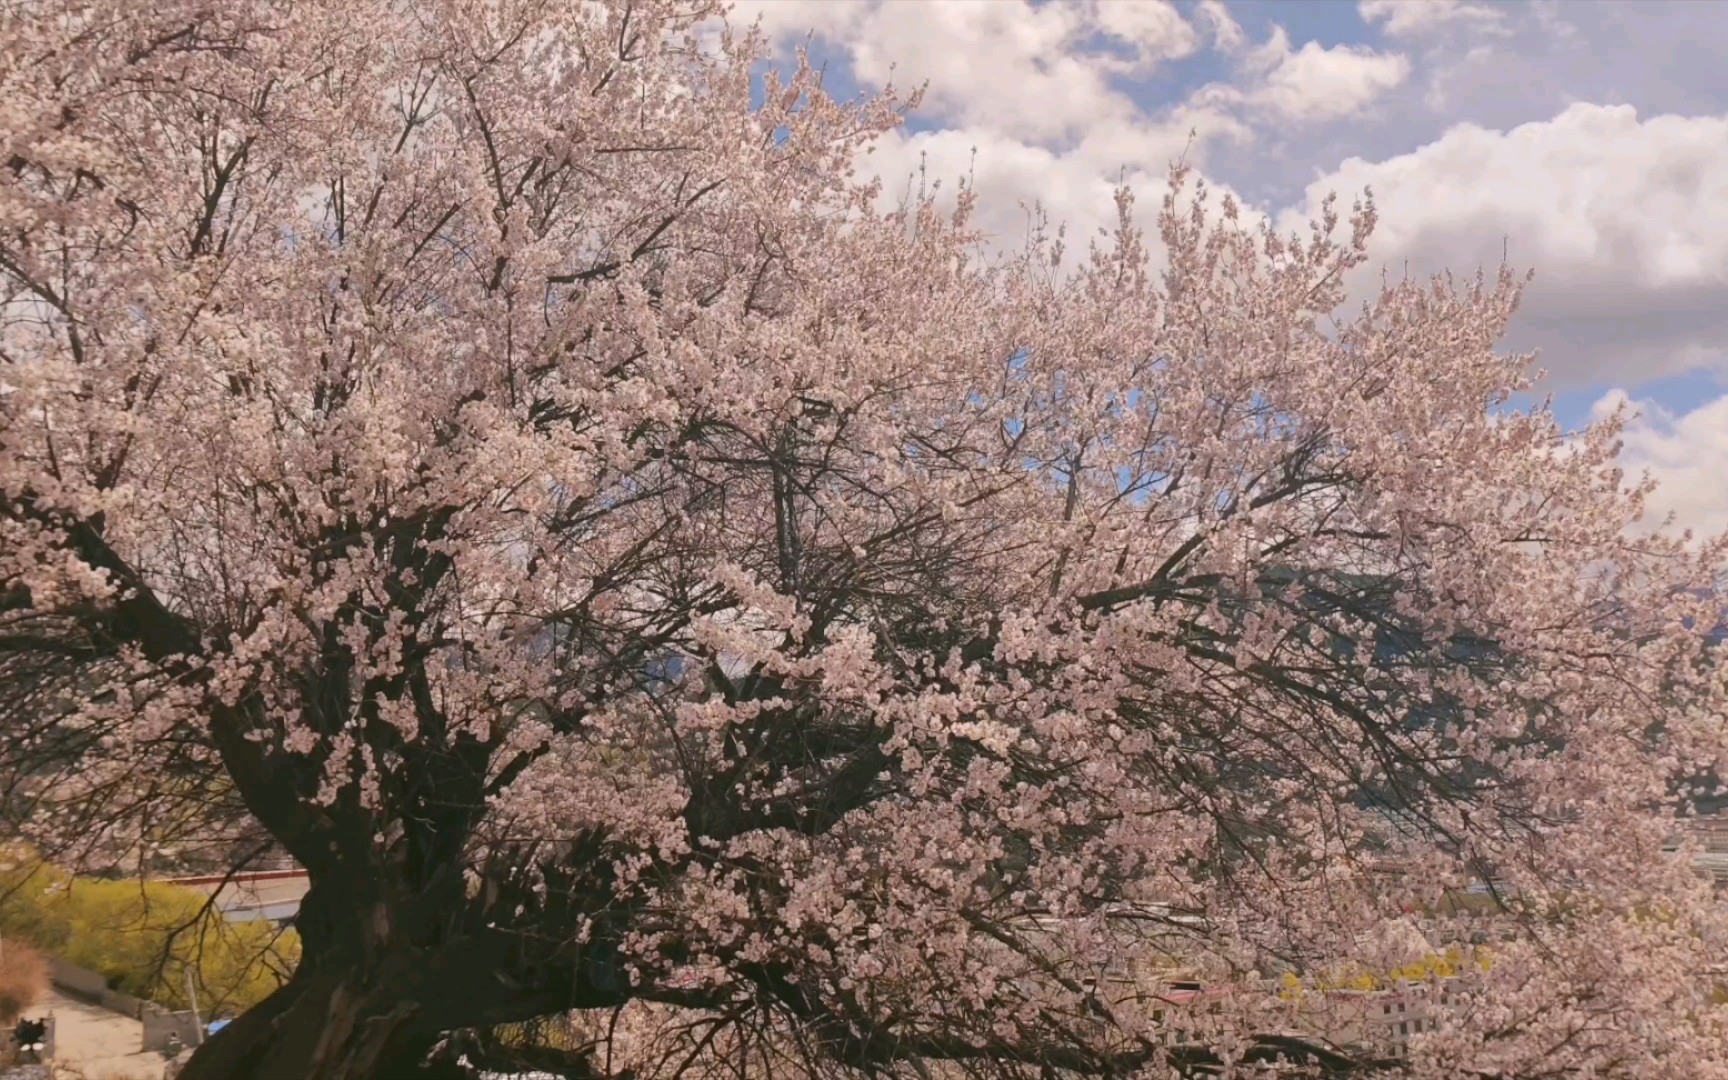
(160,1025)
(93,988)
(81,981)
(158,1022)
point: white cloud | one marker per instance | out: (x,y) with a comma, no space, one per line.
(1444,79)
(1413,18)
(1686,453)
(1009,175)
(790,21)
(1073,186)
(1226,32)
(1312,84)
(1617,215)
(1320,83)
(1153,28)
(1038,103)
(1610,209)
(1040,72)
(1548,17)
(1028,97)
(1031,100)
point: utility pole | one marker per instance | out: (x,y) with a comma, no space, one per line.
(192,996)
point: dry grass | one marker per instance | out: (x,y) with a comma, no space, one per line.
(23,980)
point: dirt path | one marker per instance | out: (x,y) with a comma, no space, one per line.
(93,1043)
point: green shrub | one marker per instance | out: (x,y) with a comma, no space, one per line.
(142,936)
(27,888)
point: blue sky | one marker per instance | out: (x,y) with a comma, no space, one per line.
(1588,140)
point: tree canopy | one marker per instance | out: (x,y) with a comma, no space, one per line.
(498,450)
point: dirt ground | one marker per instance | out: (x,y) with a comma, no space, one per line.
(92,1043)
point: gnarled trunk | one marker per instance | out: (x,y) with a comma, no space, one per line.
(380,984)
(329,1024)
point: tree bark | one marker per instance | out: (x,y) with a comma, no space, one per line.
(333,1023)
(381,981)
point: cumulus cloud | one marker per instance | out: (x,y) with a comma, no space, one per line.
(1010,176)
(1312,84)
(1040,72)
(1415,18)
(1029,99)
(1074,187)
(1046,103)
(1687,454)
(1153,29)
(1024,99)
(788,20)
(1320,83)
(1615,213)
(1227,34)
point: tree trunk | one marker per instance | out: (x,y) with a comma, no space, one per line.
(327,1025)
(378,986)
(363,1004)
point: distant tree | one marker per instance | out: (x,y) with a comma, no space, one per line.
(496,447)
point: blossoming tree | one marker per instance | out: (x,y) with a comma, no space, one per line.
(495,448)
